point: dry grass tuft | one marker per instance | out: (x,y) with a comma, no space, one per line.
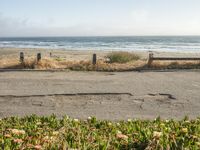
(28,64)
(122,57)
(47,64)
(15,64)
(175,65)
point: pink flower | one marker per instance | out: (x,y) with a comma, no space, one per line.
(7,135)
(18,141)
(38,147)
(122,136)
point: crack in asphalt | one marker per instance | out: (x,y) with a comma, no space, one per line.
(169,96)
(66,94)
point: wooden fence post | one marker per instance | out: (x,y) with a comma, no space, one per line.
(39,57)
(150,59)
(21,57)
(94,59)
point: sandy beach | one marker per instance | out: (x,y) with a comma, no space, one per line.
(79,55)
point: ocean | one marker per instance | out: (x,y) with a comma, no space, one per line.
(121,43)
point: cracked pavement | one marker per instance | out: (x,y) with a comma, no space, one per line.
(113,96)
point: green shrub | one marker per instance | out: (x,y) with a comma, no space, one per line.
(33,132)
(122,57)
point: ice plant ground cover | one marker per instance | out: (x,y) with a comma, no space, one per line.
(34,132)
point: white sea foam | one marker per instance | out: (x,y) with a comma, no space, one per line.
(156,43)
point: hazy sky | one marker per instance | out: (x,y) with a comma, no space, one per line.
(99,17)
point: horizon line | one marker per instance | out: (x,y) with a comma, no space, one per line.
(100,36)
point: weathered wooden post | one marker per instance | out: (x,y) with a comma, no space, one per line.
(39,57)
(94,59)
(21,57)
(150,59)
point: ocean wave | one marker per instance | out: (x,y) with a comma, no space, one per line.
(106,43)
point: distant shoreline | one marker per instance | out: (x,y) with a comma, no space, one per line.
(99,50)
(107,43)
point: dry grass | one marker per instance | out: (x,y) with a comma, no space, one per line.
(48,63)
(122,57)
(175,65)
(101,66)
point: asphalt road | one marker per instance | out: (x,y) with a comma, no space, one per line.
(113,96)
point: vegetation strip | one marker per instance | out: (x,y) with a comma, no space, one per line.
(112,62)
(33,132)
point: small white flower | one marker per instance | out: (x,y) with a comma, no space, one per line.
(119,132)
(166,128)
(46,138)
(118,124)
(89,118)
(162,124)
(187,121)
(67,117)
(18,132)
(129,120)
(157,134)
(109,124)
(76,120)
(38,123)
(51,138)
(166,121)
(55,132)
(198,143)
(184,130)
